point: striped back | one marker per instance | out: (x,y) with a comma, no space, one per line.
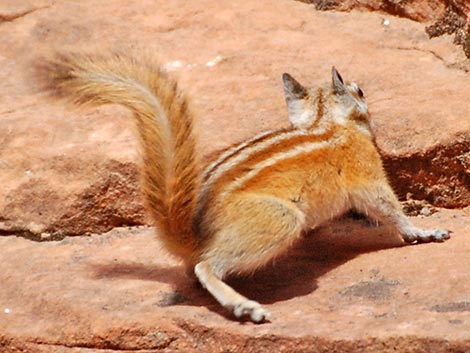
(318,116)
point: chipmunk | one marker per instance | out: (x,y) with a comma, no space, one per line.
(253,201)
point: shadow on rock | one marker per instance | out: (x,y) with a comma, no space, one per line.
(173,275)
(294,274)
(320,251)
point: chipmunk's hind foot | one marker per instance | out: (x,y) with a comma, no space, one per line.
(253,310)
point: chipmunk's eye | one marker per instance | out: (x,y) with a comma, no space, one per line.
(360,93)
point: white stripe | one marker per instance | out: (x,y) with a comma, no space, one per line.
(232,151)
(239,159)
(247,153)
(298,150)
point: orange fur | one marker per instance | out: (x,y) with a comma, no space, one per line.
(170,170)
(255,198)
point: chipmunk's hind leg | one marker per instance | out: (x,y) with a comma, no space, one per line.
(255,230)
(227,296)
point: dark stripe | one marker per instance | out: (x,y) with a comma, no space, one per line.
(320,106)
(238,151)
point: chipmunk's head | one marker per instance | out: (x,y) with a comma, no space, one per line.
(337,102)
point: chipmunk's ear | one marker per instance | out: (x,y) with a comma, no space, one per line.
(300,115)
(337,82)
(292,89)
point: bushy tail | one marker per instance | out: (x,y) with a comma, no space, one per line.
(165,126)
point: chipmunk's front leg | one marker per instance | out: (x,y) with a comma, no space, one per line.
(379,202)
(412,234)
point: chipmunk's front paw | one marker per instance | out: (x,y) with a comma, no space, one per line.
(426,236)
(252,309)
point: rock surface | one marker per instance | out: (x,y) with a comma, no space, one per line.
(348,287)
(417,10)
(68,172)
(443,16)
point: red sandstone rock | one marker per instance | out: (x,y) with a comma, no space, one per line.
(344,288)
(70,172)
(417,10)
(443,16)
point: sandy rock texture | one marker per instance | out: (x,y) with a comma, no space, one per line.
(68,172)
(442,16)
(348,287)
(417,10)
(73,172)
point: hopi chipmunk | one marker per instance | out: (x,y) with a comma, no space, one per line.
(253,201)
